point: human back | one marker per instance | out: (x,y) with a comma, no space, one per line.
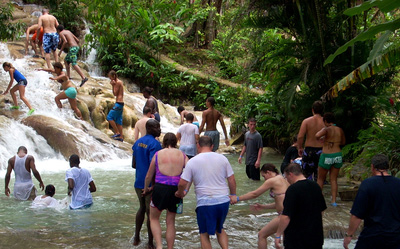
(49,23)
(211,118)
(333,139)
(313,125)
(171,161)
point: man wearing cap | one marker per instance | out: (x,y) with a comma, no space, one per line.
(378,204)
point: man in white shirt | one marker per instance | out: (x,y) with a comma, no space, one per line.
(188,135)
(209,172)
(80,184)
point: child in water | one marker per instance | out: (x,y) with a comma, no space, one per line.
(20,86)
(46,200)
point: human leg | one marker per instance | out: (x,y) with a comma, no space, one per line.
(205,241)
(139,216)
(68,69)
(334,172)
(114,126)
(155,226)
(74,106)
(222,238)
(267,231)
(14,97)
(119,127)
(322,172)
(21,89)
(147,200)
(171,231)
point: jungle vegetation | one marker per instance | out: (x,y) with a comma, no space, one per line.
(345,52)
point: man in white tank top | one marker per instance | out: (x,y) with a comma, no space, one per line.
(22,164)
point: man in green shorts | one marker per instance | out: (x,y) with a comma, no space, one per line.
(71,41)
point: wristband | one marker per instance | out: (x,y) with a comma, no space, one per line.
(277,237)
(240,156)
(186,191)
(237,198)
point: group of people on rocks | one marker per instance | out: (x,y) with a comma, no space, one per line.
(47,33)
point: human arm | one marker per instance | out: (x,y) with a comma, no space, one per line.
(343,138)
(8,177)
(259,191)
(50,70)
(257,207)
(71,185)
(27,40)
(149,176)
(178,136)
(35,172)
(136,132)
(182,117)
(232,189)
(284,221)
(258,162)
(38,30)
(92,187)
(221,120)
(203,122)
(11,72)
(133,162)
(300,137)
(64,42)
(321,133)
(62,77)
(353,225)
(242,153)
(180,193)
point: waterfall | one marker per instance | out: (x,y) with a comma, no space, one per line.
(40,92)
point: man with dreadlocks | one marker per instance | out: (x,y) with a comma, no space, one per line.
(378,204)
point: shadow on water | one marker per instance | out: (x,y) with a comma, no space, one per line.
(109,223)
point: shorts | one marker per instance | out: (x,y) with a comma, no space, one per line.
(116,113)
(211,218)
(326,161)
(310,161)
(70,92)
(157,117)
(72,56)
(252,172)
(50,42)
(214,135)
(40,36)
(164,197)
(22,83)
(196,123)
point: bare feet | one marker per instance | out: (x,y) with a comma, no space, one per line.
(136,241)
(151,246)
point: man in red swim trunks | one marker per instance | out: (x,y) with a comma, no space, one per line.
(33,30)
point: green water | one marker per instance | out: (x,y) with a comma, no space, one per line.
(109,223)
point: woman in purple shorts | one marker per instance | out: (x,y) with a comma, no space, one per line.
(167,166)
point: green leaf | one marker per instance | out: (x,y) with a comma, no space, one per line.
(383,5)
(379,45)
(366,35)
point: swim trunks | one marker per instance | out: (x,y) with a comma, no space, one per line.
(116,113)
(40,36)
(50,42)
(72,56)
(164,197)
(214,135)
(157,117)
(326,161)
(196,123)
(211,218)
(70,92)
(310,161)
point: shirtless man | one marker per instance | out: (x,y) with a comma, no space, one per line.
(331,158)
(22,164)
(210,117)
(182,112)
(140,126)
(70,41)
(313,147)
(114,116)
(33,30)
(50,38)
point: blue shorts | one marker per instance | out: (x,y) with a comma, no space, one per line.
(116,113)
(50,42)
(157,117)
(214,137)
(70,92)
(22,83)
(211,218)
(196,123)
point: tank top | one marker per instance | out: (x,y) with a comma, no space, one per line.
(23,179)
(167,180)
(18,76)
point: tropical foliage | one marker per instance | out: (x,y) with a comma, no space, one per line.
(8,29)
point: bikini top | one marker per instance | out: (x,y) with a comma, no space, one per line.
(168,180)
(273,195)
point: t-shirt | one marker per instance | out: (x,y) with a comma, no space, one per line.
(378,204)
(188,139)
(208,171)
(253,142)
(40,202)
(291,154)
(143,151)
(303,204)
(81,195)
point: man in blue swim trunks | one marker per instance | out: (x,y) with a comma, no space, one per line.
(50,37)
(114,116)
(210,118)
(215,187)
